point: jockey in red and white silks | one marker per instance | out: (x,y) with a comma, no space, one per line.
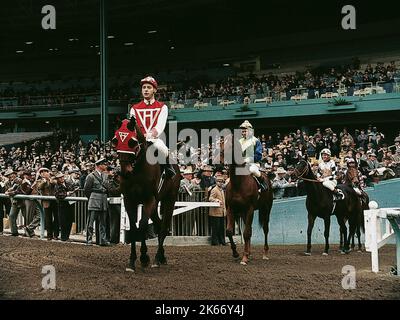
(151,115)
(327,173)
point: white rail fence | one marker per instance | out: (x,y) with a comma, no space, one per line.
(381,227)
(182,207)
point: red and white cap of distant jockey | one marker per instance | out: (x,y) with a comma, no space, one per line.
(149,80)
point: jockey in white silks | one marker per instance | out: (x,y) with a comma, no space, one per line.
(327,174)
(252,152)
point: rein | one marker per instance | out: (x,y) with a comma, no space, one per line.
(132,163)
(305,171)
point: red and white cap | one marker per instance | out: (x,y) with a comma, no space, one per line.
(149,80)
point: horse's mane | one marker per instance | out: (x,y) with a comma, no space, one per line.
(312,185)
(233,149)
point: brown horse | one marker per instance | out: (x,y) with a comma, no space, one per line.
(139,185)
(242,198)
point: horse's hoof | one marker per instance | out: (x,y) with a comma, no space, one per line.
(265,257)
(359,250)
(145,261)
(243,263)
(342,252)
(235,255)
(307,253)
(155,265)
(324,253)
(129,269)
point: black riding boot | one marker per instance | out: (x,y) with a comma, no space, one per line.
(168,169)
(261,183)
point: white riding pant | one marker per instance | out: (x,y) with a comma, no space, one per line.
(330,184)
(160,146)
(254,170)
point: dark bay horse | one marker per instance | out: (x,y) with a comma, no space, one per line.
(139,185)
(242,198)
(352,179)
(319,203)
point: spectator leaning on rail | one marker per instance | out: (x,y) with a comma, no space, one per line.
(29,229)
(375,168)
(19,186)
(45,186)
(186,186)
(252,151)
(96,191)
(5,203)
(62,190)
(151,116)
(279,184)
(327,171)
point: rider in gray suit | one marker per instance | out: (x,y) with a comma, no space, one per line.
(96,191)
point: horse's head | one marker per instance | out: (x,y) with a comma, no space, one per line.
(232,150)
(302,168)
(128,141)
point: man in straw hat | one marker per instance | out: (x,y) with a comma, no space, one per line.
(279,184)
(252,151)
(186,182)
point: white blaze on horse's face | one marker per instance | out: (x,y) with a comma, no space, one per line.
(148,91)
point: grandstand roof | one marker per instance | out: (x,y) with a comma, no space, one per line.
(178,24)
(20,137)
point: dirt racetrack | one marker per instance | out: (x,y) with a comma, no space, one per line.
(197,272)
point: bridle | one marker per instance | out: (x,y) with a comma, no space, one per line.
(305,171)
(136,153)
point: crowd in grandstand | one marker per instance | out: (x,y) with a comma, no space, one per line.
(316,81)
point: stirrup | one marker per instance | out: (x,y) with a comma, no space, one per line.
(169,171)
(338,195)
